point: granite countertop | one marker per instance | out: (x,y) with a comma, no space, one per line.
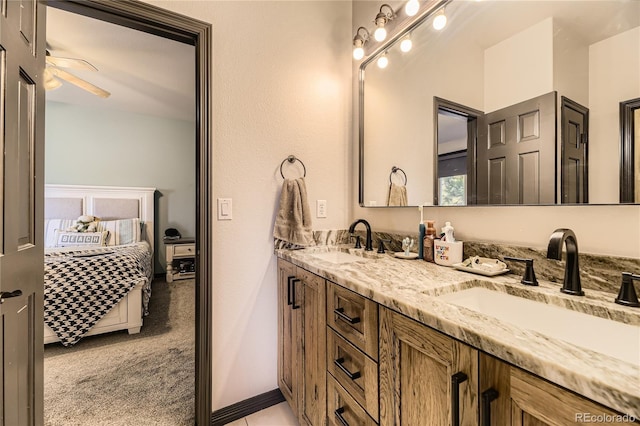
(411,287)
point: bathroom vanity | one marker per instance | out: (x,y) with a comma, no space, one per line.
(366,338)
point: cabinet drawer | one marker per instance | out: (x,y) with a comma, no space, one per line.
(354,317)
(341,404)
(355,371)
(184,250)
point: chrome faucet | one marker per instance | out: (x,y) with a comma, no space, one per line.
(571,283)
(368,244)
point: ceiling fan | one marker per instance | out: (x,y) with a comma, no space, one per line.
(53,73)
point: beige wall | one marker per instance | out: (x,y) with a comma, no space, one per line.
(282,85)
(614,77)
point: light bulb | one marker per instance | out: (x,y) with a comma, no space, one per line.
(440,21)
(380,34)
(383,61)
(358,53)
(406,45)
(412,7)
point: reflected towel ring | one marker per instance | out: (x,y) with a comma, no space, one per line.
(293,159)
(395,169)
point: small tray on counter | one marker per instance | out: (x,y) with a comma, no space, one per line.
(466,266)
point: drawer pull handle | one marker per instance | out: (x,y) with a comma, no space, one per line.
(456,379)
(289,302)
(338,362)
(341,419)
(487,397)
(340,313)
(293,293)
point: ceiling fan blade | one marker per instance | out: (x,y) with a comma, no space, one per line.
(78,64)
(50,82)
(77,81)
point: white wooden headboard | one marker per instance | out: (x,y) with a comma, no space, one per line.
(105,202)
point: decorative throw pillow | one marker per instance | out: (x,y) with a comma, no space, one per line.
(122,231)
(81,239)
(51,226)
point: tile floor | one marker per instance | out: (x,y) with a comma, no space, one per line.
(276,415)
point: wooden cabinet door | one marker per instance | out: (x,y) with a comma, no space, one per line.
(536,402)
(287,334)
(312,395)
(417,369)
(523,399)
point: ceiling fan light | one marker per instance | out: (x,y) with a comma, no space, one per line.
(50,82)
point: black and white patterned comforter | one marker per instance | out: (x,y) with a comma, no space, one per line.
(82,285)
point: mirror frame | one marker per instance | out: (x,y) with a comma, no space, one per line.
(627,110)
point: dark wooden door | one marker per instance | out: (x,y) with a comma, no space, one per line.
(22,52)
(516,153)
(575,141)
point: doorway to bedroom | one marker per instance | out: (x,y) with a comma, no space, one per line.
(123,115)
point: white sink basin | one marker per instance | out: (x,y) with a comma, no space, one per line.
(338,257)
(618,340)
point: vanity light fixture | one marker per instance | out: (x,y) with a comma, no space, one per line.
(383,61)
(381,20)
(412,7)
(440,20)
(358,43)
(406,44)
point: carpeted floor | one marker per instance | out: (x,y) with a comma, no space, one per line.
(121,379)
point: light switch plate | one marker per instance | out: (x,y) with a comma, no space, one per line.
(321,208)
(225,209)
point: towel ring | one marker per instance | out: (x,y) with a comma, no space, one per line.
(293,159)
(395,169)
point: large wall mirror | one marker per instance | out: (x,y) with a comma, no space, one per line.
(512,102)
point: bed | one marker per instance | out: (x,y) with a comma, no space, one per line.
(97,282)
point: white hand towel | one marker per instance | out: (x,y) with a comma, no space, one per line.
(397,195)
(293,220)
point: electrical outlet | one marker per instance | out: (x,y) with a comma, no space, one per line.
(321,208)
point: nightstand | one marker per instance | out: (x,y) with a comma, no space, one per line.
(181,259)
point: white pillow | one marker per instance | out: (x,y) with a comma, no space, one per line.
(123,231)
(53,225)
(82,239)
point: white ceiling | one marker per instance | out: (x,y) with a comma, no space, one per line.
(144,73)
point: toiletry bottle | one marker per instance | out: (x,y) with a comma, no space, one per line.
(421,232)
(447,230)
(430,236)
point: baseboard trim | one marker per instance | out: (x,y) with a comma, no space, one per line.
(244,408)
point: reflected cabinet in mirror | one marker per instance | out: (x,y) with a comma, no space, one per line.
(512,102)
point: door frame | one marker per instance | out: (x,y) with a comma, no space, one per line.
(154,20)
(627,150)
(473,116)
(566,104)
